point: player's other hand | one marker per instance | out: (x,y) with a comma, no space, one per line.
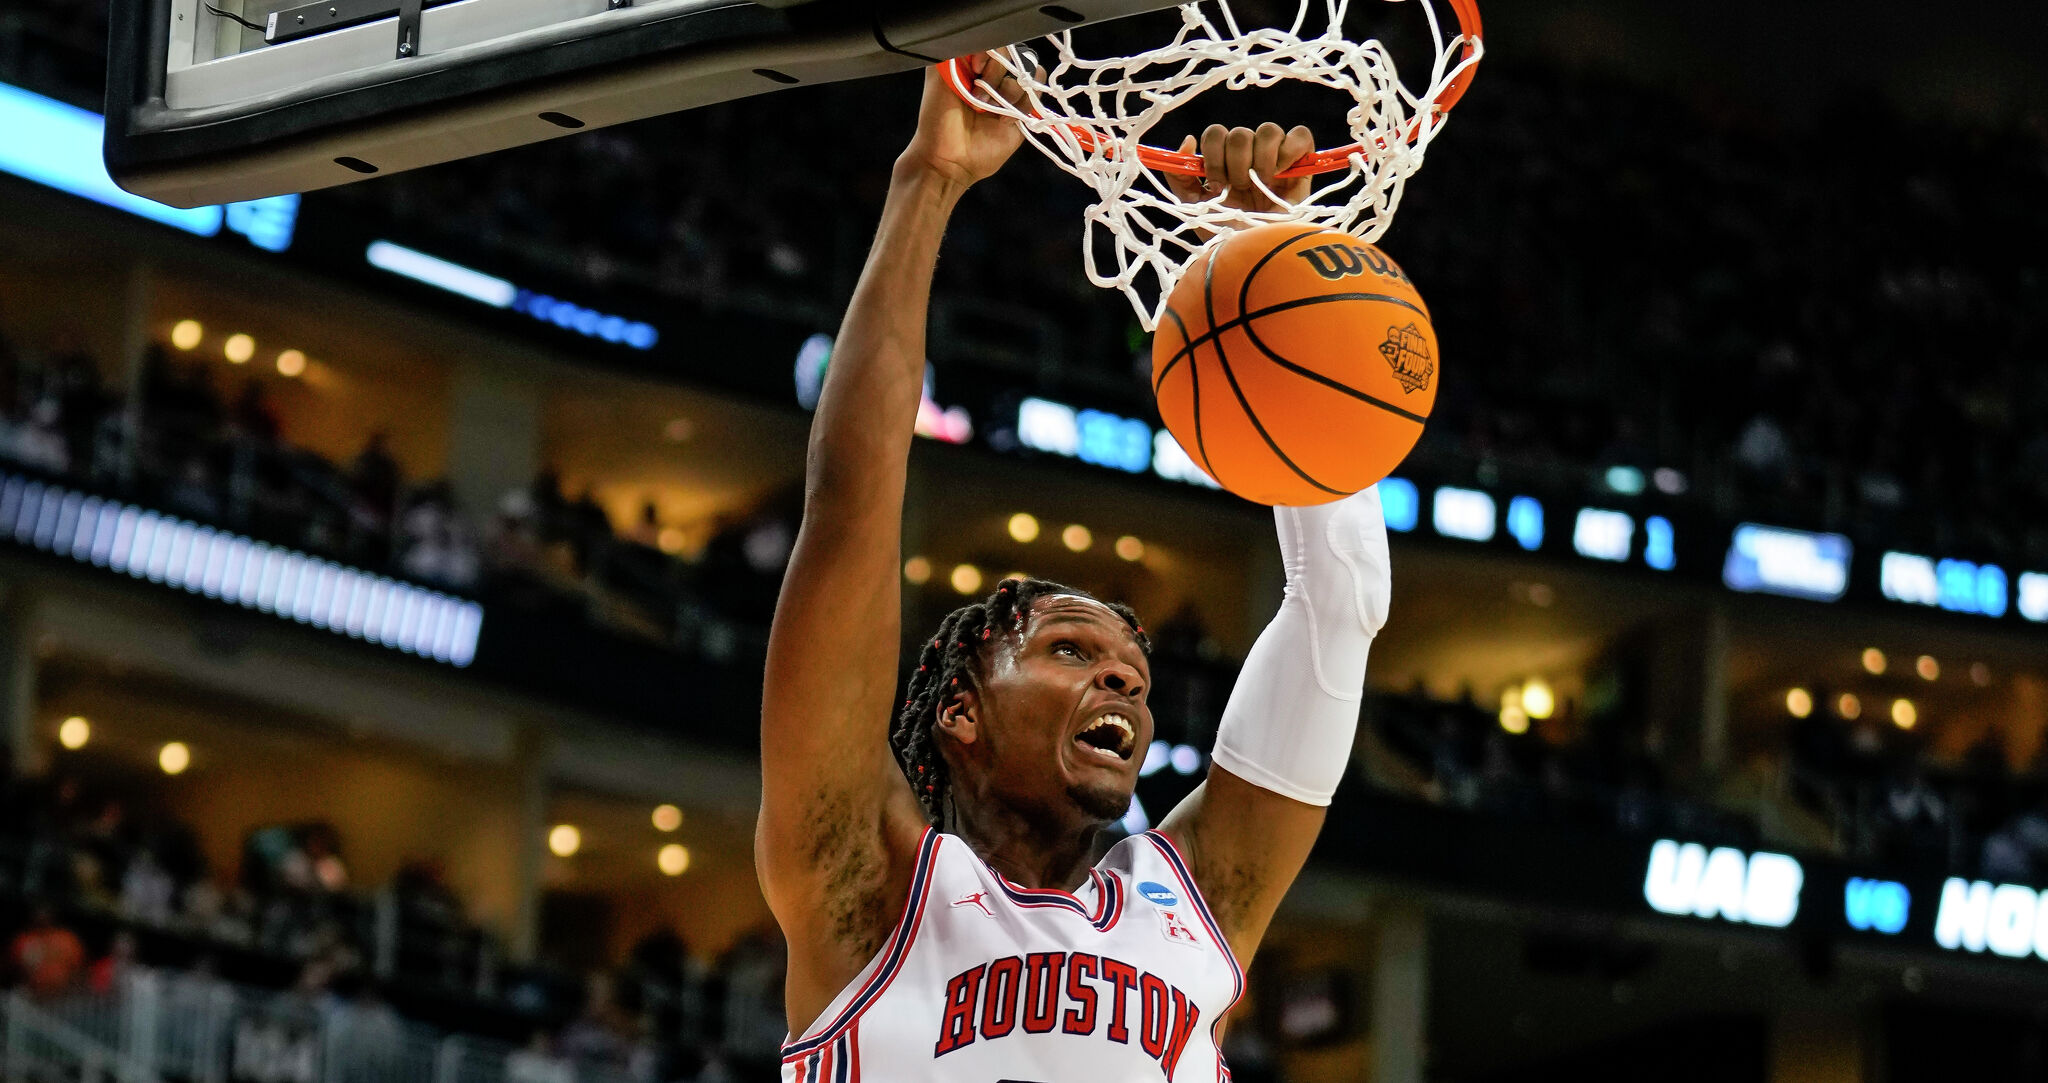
(1234,155)
(954,139)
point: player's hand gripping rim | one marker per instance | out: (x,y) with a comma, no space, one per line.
(957,141)
(1242,166)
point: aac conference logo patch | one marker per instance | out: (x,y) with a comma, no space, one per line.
(1158,894)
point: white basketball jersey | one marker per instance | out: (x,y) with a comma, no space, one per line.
(987,982)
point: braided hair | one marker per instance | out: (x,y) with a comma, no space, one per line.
(953,656)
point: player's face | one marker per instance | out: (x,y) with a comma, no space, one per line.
(1064,711)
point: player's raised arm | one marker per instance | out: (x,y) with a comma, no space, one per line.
(1287,731)
(838,828)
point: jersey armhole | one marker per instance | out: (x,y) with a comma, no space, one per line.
(1182,873)
(886,963)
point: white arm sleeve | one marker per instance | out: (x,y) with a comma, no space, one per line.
(1291,719)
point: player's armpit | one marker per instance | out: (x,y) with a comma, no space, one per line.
(1245,846)
(1287,731)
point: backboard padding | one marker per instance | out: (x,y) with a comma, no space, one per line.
(605,68)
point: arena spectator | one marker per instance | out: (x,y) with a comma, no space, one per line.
(46,955)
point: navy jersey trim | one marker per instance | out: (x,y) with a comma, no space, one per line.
(1187,879)
(1108,897)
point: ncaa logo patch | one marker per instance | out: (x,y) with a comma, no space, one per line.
(1158,894)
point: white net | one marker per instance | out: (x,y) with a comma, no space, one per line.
(1091,116)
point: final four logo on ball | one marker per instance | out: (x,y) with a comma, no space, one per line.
(1408,352)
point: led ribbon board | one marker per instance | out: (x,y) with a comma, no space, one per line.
(1748,889)
(230,568)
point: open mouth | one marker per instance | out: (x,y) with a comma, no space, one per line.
(1111,737)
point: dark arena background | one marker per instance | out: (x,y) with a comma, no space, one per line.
(1708,739)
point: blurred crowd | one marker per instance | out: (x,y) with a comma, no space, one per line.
(1890,799)
(1601,773)
(93,891)
(1793,320)
(220,458)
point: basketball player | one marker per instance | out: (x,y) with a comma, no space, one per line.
(945,915)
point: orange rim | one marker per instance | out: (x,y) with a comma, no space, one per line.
(1470,31)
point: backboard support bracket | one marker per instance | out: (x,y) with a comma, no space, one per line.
(408,28)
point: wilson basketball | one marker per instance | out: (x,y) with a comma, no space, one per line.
(1295,364)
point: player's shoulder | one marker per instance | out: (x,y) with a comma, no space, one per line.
(1146,853)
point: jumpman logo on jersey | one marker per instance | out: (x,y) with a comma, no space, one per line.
(976,899)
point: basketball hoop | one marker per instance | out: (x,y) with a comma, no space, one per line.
(1091,116)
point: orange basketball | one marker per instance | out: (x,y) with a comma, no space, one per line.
(1296,365)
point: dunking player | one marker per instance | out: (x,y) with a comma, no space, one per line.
(953,928)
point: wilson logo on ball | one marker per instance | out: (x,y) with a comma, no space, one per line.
(1408,352)
(1336,262)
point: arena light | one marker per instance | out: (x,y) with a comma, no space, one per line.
(1980,674)
(1525,521)
(441,274)
(1023,528)
(174,758)
(564,840)
(1873,661)
(1077,538)
(588,322)
(1537,698)
(2033,596)
(1793,563)
(74,732)
(489,289)
(966,578)
(1603,534)
(673,859)
(667,817)
(1660,543)
(1513,717)
(1927,668)
(1462,513)
(1799,702)
(237,570)
(917,571)
(238,349)
(1848,706)
(1130,548)
(187,334)
(1904,714)
(1400,504)
(291,364)
(1626,480)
